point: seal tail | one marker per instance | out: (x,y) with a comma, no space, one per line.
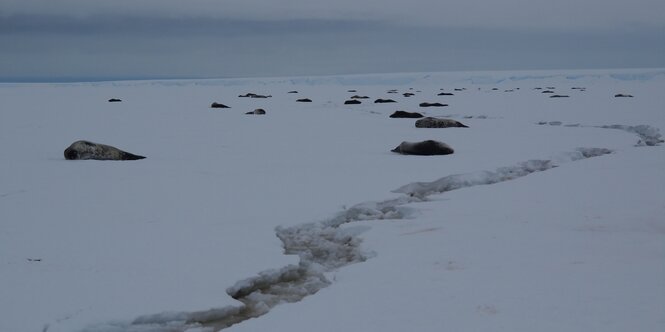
(130,156)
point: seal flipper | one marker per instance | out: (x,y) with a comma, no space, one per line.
(130,156)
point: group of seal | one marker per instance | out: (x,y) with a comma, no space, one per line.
(85,150)
(428,147)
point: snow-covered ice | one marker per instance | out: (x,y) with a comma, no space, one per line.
(525,227)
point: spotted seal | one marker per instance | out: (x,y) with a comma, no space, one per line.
(430,122)
(83,150)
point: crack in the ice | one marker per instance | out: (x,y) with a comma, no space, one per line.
(458,181)
(324,247)
(649,135)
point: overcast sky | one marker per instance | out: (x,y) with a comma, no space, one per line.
(56,40)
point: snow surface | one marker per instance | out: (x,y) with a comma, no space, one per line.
(548,216)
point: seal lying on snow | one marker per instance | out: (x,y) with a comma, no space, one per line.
(432,105)
(258,111)
(424,148)
(83,150)
(430,122)
(404,114)
(218,105)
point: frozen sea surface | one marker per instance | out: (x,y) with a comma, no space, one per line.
(548,216)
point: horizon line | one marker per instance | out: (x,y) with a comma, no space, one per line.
(103,79)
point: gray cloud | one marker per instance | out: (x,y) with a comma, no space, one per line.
(74,39)
(133,47)
(564,14)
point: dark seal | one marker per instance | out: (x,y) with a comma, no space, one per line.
(218,105)
(408,115)
(424,148)
(258,111)
(432,105)
(253,95)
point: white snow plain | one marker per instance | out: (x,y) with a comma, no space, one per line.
(549,216)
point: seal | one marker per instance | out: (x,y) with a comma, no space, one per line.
(424,148)
(218,105)
(258,111)
(430,122)
(84,150)
(404,114)
(432,105)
